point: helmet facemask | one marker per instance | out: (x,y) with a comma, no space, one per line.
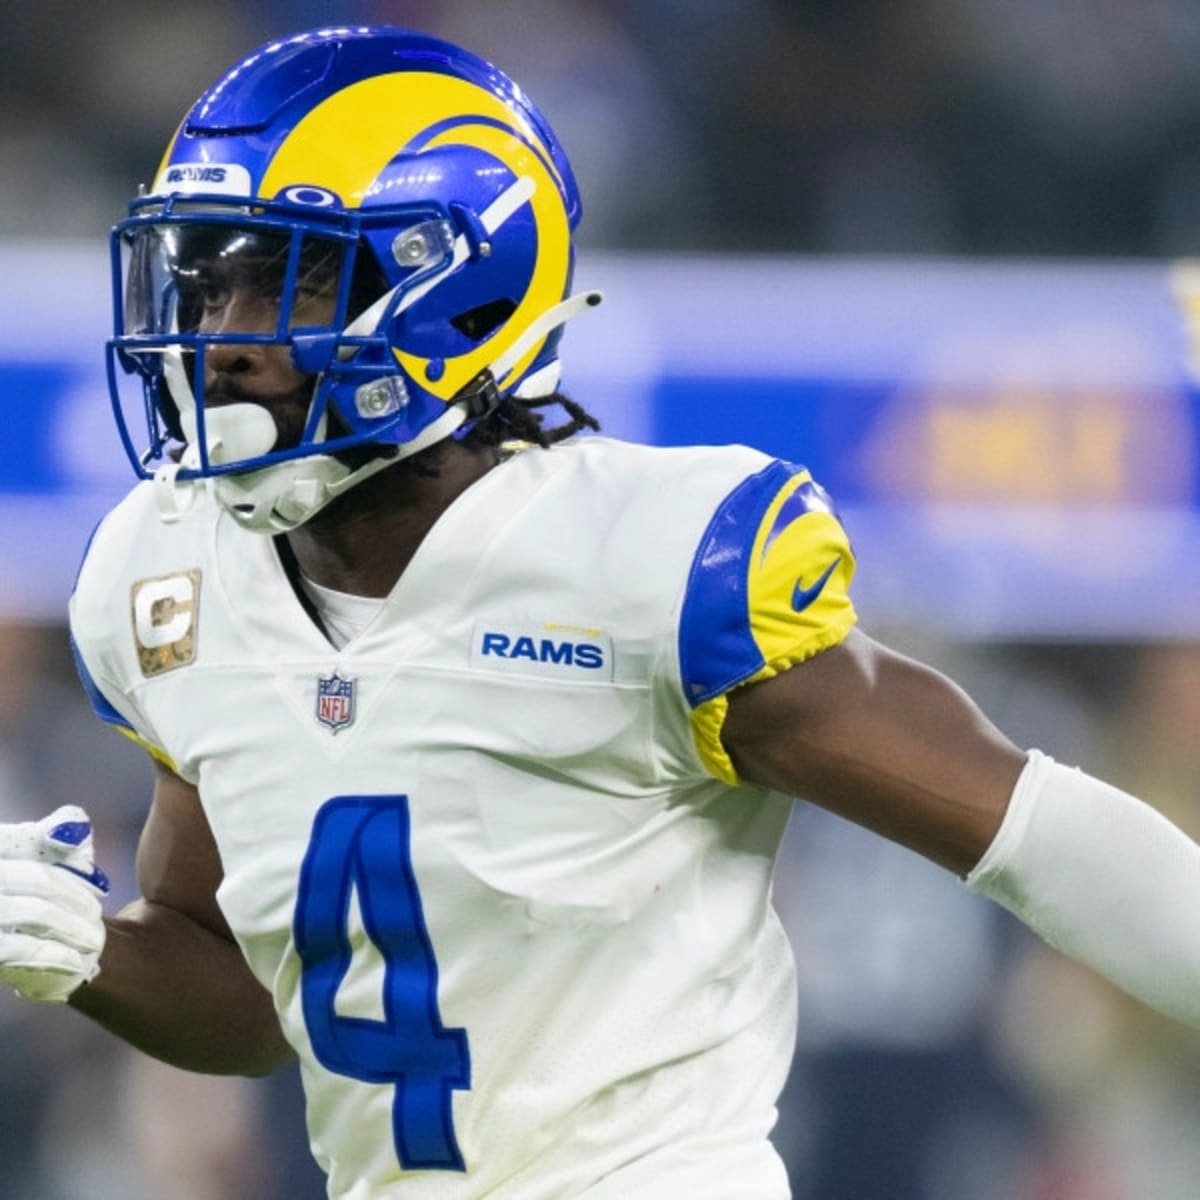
(204,290)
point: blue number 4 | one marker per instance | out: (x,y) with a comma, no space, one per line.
(361,843)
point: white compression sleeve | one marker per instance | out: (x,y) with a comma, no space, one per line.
(1105,879)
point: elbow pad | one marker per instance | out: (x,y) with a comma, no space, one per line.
(1104,878)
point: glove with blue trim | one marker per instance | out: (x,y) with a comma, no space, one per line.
(51,924)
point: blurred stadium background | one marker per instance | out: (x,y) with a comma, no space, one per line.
(936,249)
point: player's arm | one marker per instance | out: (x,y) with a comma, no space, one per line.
(898,748)
(172,981)
(882,740)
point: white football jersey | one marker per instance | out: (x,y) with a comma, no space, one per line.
(490,858)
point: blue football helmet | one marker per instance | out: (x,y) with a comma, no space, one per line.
(401,215)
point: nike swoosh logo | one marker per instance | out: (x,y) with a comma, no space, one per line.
(803,596)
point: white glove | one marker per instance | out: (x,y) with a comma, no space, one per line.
(51,926)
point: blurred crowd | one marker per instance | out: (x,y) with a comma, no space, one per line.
(1048,127)
(944,1053)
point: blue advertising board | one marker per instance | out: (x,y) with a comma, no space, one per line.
(1013,446)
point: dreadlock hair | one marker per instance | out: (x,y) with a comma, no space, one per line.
(514,419)
(511,420)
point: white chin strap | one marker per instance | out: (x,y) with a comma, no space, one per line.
(279,497)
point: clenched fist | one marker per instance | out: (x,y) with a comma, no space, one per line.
(51,925)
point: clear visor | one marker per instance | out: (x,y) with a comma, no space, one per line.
(228,280)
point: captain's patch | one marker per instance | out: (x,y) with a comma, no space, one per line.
(165,609)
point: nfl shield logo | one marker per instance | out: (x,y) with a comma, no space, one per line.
(335,701)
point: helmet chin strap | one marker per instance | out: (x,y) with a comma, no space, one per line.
(283,496)
(231,432)
(279,497)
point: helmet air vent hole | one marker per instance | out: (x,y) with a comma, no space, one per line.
(477,323)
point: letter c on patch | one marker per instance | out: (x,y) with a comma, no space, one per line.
(160,626)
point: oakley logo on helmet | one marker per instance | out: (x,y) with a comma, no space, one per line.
(311,195)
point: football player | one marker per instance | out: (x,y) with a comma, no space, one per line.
(475,742)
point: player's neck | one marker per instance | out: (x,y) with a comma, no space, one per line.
(362,542)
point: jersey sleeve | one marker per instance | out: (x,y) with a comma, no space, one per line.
(107,711)
(768,588)
(97,662)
